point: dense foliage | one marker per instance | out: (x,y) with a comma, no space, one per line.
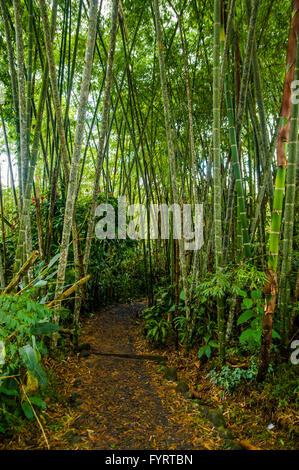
(25,326)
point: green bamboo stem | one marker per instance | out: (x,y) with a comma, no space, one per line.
(263,184)
(9,158)
(242,214)
(14,88)
(217,171)
(247,67)
(29,86)
(56,93)
(271,288)
(21,93)
(171,157)
(74,170)
(104,125)
(25,223)
(289,206)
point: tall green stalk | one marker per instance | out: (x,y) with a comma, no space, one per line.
(271,288)
(171,158)
(14,88)
(21,93)
(217,170)
(79,134)
(237,170)
(104,126)
(289,210)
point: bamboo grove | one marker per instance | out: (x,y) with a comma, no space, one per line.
(159,101)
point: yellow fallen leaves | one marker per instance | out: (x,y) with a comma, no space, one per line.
(32,384)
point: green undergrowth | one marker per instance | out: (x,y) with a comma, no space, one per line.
(25,328)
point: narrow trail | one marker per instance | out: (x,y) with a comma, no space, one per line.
(124,403)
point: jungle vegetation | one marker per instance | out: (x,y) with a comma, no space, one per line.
(164,102)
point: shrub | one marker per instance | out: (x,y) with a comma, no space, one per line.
(229,379)
(24,325)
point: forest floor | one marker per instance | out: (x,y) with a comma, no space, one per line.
(118,403)
(103,402)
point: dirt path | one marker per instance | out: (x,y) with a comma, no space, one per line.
(114,402)
(121,403)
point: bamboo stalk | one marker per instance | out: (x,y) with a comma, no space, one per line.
(217,171)
(104,124)
(171,158)
(14,87)
(271,288)
(22,272)
(242,215)
(289,212)
(64,295)
(21,93)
